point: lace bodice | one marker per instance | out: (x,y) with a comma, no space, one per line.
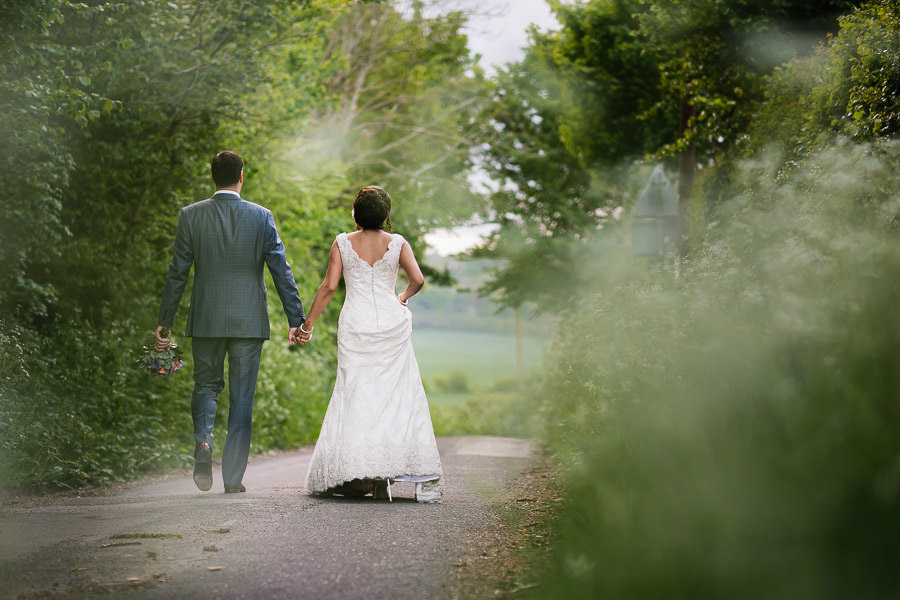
(371,301)
(385,267)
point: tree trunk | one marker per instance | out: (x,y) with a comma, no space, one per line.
(687,164)
(520,353)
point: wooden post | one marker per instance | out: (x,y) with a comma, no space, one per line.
(520,354)
(687,164)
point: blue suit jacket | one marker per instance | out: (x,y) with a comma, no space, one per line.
(227,240)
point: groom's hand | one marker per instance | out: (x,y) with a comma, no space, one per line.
(160,343)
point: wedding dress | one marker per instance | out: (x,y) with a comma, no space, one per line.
(377,425)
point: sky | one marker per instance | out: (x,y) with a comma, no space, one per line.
(498,31)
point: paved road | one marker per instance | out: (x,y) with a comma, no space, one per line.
(272,542)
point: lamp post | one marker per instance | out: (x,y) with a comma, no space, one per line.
(654,223)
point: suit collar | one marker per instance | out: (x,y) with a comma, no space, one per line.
(227,195)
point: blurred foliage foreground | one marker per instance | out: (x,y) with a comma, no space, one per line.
(732,432)
(729,432)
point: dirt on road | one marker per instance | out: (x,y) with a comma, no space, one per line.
(166,539)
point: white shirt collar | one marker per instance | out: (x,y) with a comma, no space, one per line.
(232,192)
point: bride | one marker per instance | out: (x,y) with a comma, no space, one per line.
(377,427)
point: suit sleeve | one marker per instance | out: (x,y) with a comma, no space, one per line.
(179,271)
(276,261)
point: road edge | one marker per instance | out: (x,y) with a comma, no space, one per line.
(515,543)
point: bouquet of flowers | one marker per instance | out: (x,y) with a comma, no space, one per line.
(161,362)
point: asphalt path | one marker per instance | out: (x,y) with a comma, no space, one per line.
(166,539)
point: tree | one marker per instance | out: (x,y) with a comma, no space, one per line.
(111,111)
(849,88)
(400,105)
(544,197)
(623,82)
(113,105)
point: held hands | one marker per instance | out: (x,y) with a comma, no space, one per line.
(299,335)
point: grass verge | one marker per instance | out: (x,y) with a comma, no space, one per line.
(508,558)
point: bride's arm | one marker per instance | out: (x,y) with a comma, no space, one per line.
(326,291)
(413,273)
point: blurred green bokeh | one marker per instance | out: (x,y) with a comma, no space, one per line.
(732,433)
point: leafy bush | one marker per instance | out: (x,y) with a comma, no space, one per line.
(505,384)
(732,432)
(109,123)
(455,383)
(92,417)
(485,414)
(849,86)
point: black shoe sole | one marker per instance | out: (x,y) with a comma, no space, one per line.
(203,469)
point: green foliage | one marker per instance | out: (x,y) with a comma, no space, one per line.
(91,417)
(482,354)
(731,433)
(493,413)
(455,383)
(869,43)
(399,101)
(569,125)
(849,88)
(12,355)
(611,116)
(728,432)
(111,112)
(546,202)
(717,56)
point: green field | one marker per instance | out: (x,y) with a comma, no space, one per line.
(484,357)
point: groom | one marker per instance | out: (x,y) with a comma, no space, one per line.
(227,240)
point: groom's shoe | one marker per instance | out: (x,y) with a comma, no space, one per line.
(203,466)
(235,489)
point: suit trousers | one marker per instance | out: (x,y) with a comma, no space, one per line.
(209,379)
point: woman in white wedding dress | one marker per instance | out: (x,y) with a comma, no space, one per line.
(377,427)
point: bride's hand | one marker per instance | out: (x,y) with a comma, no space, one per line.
(300,336)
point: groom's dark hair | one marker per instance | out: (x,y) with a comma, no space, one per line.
(226,168)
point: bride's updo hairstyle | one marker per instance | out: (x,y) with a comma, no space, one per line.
(372,208)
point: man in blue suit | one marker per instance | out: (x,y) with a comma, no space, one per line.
(227,240)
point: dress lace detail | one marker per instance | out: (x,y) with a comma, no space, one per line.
(377,424)
(385,264)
